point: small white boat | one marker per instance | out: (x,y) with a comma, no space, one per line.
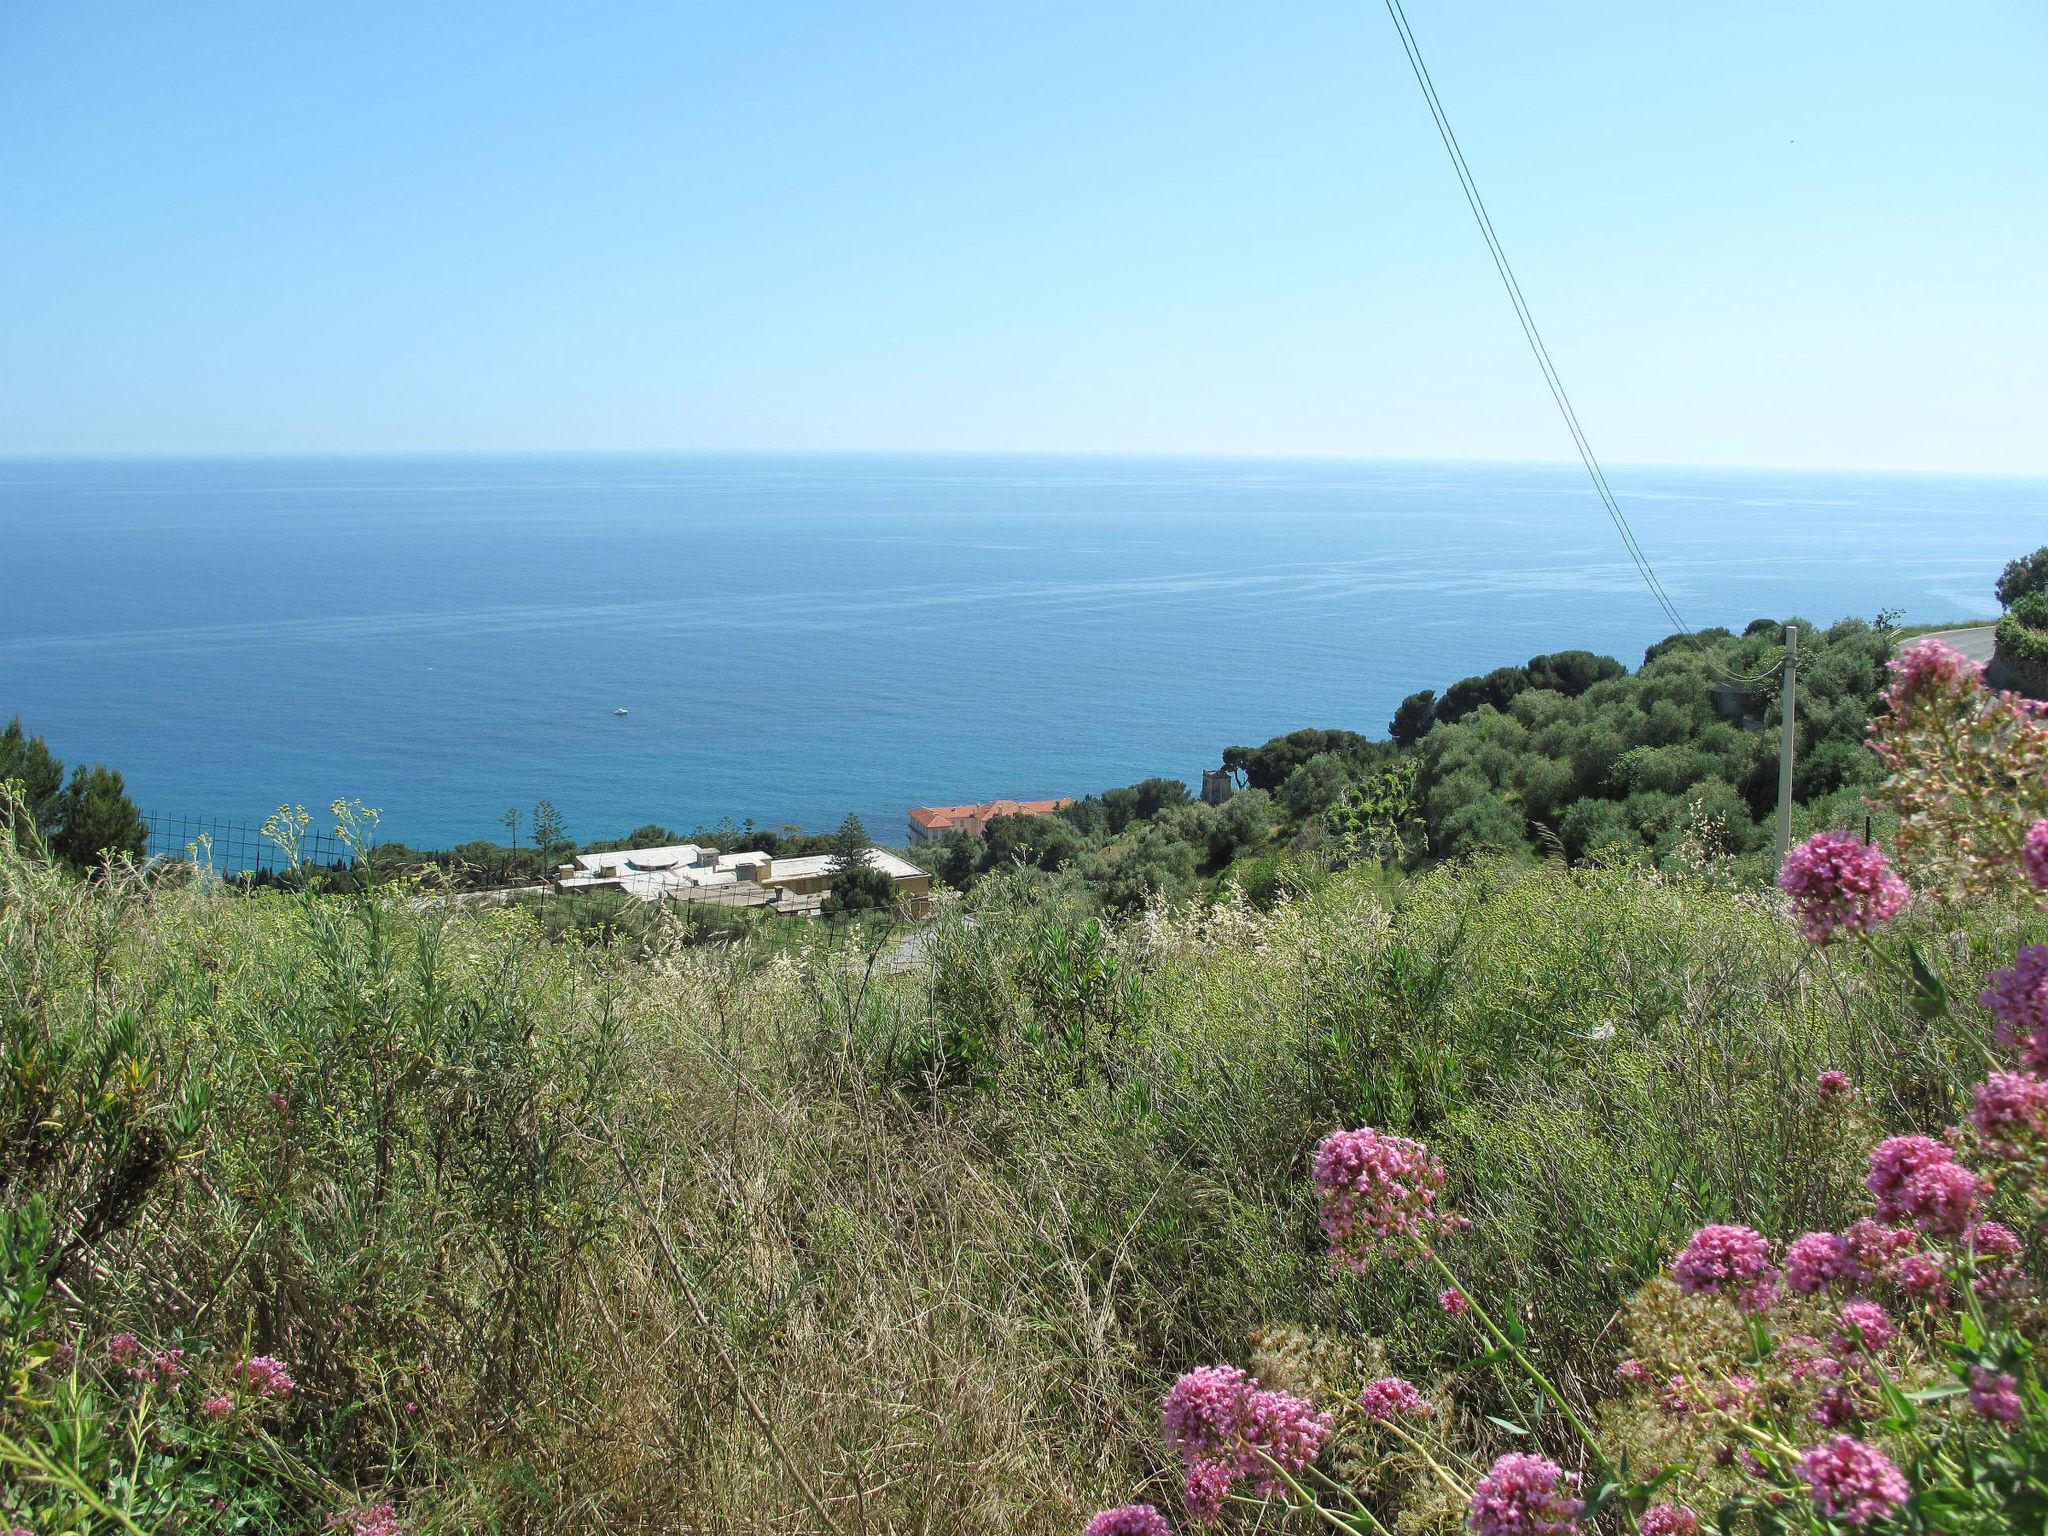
(619,711)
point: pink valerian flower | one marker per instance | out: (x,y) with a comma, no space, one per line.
(1375,1188)
(2034,855)
(164,1366)
(1392,1398)
(382,1520)
(1284,1428)
(1833,1087)
(264,1376)
(1808,1357)
(1994,1239)
(1219,1415)
(1453,1301)
(1994,1395)
(1928,672)
(1729,1259)
(217,1407)
(1876,1248)
(1668,1520)
(1853,1482)
(1736,1392)
(1865,1326)
(1129,1520)
(1941,1197)
(124,1349)
(1208,1484)
(1996,1248)
(1923,1277)
(1838,1405)
(1204,1411)
(1632,1372)
(2018,999)
(1525,1495)
(1893,1164)
(1816,1260)
(2011,1112)
(1836,880)
(1675,1397)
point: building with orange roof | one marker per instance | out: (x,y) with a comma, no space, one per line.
(929,823)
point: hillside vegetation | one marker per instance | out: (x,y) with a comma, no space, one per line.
(731,1240)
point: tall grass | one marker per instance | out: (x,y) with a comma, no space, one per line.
(781,1240)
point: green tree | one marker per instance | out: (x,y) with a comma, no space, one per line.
(98,818)
(857,886)
(1316,785)
(27,760)
(1571,673)
(2027,574)
(1497,688)
(1413,718)
(548,834)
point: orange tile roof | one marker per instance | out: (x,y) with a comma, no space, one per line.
(945,817)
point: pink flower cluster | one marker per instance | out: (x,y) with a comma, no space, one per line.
(1864,1325)
(1392,1398)
(1994,1395)
(1374,1188)
(1224,1426)
(1728,1259)
(165,1367)
(381,1519)
(1129,1520)
(265,1376)
(1668,1520)
(1833,1087)
(1853,1482)
(1929,672)
(1836,880)
(2034,855)
(2012,1111)
(1453,1301)
(1525,1495)
(1816,1260)
(1878,1250)
(1916,1178)
(2018,999)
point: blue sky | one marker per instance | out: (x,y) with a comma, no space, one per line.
(1768,234)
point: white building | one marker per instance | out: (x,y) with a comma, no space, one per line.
(688,872)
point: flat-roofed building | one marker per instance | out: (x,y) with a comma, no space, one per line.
(690,872)
(930,823)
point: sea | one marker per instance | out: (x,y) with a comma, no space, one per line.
(795,637)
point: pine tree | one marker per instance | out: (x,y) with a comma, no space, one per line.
(98,818)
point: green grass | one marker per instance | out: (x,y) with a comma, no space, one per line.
(738,1237)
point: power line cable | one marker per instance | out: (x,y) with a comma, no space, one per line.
(1526,318)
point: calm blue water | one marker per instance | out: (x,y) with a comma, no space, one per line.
(797,637)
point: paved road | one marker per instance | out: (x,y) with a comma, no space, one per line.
(1977,642)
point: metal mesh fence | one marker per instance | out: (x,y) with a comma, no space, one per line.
(236,849)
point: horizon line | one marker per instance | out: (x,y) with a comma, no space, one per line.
(86,455)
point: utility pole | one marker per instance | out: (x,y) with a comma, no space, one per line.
(1790,686)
